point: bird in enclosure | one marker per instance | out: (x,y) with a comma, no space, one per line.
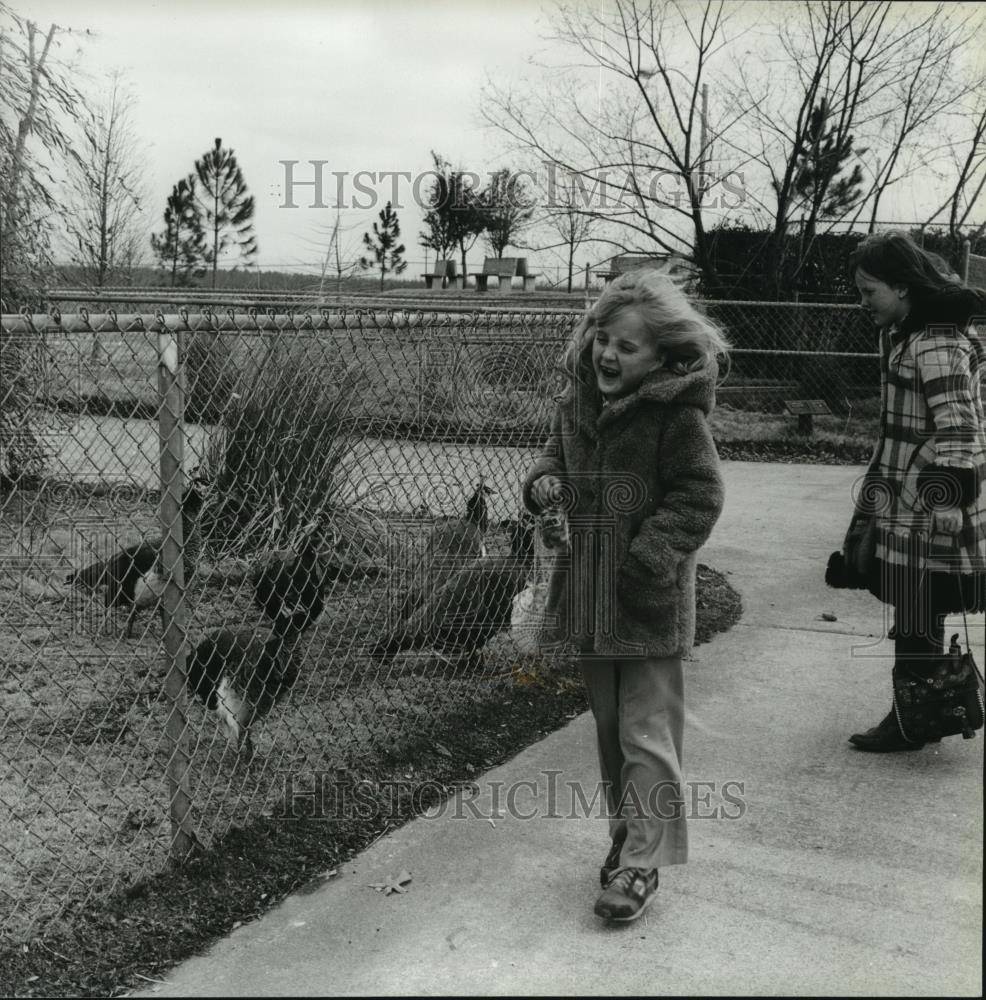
(289,588)
(241,675)
(289,585)
(134,578)
(475,603)
(450,546)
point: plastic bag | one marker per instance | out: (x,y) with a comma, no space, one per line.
(527,616)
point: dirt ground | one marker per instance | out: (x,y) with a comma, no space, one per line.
(83,711)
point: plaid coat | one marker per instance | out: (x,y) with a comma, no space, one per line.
(931,455)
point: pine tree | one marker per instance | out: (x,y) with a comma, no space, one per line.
(387,255)
(181,246)
(226,208)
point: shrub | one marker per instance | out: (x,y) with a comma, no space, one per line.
(210,377)
(277,459)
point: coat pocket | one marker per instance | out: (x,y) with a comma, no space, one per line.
(641,592)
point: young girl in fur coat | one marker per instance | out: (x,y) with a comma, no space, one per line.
(632,462)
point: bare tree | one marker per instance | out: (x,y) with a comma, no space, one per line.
(564,218)
(38,105)
(337,255)
(925,88)
(640,158)
(967,179)
(106,190)
(857,61)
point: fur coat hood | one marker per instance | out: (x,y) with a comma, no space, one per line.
(643,492)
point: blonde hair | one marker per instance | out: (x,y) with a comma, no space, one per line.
(677,328)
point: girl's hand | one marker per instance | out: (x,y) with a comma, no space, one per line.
(547,491)
(947,522)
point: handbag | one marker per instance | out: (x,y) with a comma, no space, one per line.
(851,567)
(943,701)
(859,548)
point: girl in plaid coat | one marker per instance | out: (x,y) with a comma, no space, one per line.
(924,489)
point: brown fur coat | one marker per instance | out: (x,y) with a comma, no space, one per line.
(643,492)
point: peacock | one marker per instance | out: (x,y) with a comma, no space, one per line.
(450,546)
(134,577)
(475,603)
(289,589)
(241,676)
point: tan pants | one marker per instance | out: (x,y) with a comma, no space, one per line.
(638,705)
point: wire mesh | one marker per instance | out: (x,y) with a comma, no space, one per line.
(975,270)
(241,546)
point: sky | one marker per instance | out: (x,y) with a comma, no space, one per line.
(369,86)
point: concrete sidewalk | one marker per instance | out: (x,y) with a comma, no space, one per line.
(845,874)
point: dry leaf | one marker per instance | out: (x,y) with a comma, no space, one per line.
(393,885)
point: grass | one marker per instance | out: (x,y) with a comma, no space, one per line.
(109,943)
(744,435)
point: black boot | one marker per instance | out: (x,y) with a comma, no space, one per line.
(884,738)
(612,861)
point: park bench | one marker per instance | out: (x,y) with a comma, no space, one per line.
(443,269)
(504,269)
(628,262)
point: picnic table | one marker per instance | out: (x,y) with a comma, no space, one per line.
(628,262)
(504,269)
(445,271)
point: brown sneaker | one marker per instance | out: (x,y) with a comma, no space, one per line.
(629,893)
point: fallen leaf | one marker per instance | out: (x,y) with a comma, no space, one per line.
(393,885)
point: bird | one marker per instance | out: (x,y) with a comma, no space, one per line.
(134,577)
(241,676)
(471,606)
(289,590)
(449,547)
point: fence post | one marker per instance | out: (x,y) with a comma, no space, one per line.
(171,438)
(966,251)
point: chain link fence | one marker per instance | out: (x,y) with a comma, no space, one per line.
(224,537)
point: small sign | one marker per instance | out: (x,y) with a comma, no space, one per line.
(800,407)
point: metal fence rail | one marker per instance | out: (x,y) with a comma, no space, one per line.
(229,444)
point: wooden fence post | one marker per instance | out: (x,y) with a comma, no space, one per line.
(966,251)
(171,435)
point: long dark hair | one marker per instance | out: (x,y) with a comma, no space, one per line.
(898,261)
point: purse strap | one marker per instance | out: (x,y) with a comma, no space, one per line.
(965,621)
